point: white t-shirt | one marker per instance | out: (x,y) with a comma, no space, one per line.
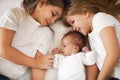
(72,67)
(29,37)
(100,21)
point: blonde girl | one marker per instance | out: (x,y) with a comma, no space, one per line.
(98,20)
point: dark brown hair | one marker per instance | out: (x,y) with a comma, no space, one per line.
(30,5)
(94,6)
(76,38)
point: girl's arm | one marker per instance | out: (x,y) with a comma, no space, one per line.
(38,74)
(92,72)
(110,42)
(10,53)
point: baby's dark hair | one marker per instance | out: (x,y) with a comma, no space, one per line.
(30,5)
(93,6)
(76,38)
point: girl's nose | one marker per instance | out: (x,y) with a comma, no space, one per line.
(77,29)
(53,20)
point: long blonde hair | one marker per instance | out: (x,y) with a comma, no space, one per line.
(94,6)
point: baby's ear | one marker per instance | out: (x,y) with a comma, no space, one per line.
(76,48)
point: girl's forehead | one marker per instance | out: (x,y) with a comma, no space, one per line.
(70,17)
(57,9)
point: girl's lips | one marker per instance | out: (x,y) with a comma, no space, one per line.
(49,22)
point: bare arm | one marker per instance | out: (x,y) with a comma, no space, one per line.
(92,72)
(38,74)
(111,46)
(10,53)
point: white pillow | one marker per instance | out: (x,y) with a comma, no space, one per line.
(7,4)
(59,30)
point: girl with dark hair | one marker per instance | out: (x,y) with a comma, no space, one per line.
(25,40)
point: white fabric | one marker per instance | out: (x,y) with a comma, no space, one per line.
(100,21)
(59,31)
(8,4)
(72,67)
(29,38)
(58,28)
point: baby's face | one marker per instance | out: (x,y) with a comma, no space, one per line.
(67,46)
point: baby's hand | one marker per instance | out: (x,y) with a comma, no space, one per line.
(55,50)
(85,49)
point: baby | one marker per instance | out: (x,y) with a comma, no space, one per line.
(71,61)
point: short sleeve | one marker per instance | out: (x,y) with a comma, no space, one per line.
(10,19)
(44,40)
(102,20)
(58,60)
(89,58)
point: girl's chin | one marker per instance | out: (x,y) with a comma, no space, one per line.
(43,24)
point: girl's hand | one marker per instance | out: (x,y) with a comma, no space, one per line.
(43,61)
(55,51)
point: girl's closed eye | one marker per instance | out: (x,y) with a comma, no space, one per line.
(53,14)
(64,46)
(71,22)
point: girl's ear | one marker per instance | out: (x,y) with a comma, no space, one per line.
(85,12)
(41,3)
